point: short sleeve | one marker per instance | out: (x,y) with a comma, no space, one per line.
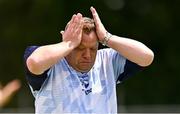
(118,63)
(130,69)
(123,68)
(35,81)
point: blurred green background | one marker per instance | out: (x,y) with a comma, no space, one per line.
(153,22)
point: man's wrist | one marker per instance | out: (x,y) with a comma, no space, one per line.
(105,40)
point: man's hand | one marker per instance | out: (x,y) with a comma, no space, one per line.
(73,33)
(100,29)
(8,91)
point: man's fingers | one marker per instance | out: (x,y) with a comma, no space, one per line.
(73,31)
(80,26)
(73,17)
(74,21)
(100,29)
(77,20)
(70,23)
(95,15)
(77,24)
(12,86)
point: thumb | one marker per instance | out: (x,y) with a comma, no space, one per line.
(62,32)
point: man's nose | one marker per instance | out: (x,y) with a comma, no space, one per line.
(87,53)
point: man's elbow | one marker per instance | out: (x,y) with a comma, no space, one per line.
(148,59)
(33,66)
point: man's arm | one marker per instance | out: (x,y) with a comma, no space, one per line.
(46,56)
(132,50)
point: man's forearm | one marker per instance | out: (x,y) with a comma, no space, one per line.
(46,56)
(132,50)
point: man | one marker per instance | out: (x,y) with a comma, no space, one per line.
(73,76)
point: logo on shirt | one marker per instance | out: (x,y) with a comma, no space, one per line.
(87,91)
(85,84)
